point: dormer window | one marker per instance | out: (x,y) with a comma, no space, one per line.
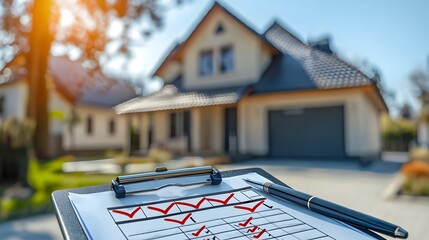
(206,63)
(226,60)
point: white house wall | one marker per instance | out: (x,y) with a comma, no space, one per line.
(361,120)
(171,70)
(15,103)
(100,137)
(372,125)
(58,105)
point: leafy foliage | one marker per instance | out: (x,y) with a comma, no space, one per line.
(397,133)
(93,32)
(420,80)
(399,128)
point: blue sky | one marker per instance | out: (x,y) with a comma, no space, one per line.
(390,34)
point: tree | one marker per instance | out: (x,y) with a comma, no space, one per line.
(406,111)
(93,32)
(375,75)
(420,80)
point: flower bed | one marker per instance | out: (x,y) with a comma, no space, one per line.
(416,178)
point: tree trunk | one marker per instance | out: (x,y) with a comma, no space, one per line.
(37,60)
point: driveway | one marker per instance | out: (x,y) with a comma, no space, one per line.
(44,227)
(347,183)
(352,185)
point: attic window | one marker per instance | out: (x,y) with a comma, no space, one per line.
(219,29)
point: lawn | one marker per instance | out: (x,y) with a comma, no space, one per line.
(45,178)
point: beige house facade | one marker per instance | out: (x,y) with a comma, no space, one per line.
(229,89)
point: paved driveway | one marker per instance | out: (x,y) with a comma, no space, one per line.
(43,227)
(348,183)
(353,185)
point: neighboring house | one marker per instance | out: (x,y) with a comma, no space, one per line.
(74,96)
(229,89)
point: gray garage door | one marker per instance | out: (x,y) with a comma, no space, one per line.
(307,132)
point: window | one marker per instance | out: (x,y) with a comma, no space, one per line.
(112,127)
(89,125)
(226,60)
(206,63)
(219,29)
(2,103)
(179,124)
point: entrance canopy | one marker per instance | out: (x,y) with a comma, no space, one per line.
(171,97)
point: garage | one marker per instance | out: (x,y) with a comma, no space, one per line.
(307,132)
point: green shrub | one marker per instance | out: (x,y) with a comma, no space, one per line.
(416,186)
(45,178)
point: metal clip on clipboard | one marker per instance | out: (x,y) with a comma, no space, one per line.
(162,177)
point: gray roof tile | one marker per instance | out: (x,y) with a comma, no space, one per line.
(303,67)
(172,96)
(95,90)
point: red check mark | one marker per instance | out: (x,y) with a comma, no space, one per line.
(251,209)
(181,222)
(163,211)
(253,229)
(260,234)
(195,206)
(130,215)
(196,234)
(246,222)
(224,202)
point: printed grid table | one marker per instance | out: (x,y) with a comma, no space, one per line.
(253,217)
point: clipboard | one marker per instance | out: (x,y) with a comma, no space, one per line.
(72,229)
(69,223)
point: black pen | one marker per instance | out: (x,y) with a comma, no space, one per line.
(330,209)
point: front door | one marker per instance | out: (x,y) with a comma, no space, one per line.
(231,140)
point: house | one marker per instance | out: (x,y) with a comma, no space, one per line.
(80,105)
(230,89)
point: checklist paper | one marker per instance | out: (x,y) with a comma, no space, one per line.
(231,210)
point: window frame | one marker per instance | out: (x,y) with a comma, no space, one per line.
(2,105)
(221,52)
(200,62)
(112,126)
(177,124)
(89,125)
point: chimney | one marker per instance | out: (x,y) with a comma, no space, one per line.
(323,44)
